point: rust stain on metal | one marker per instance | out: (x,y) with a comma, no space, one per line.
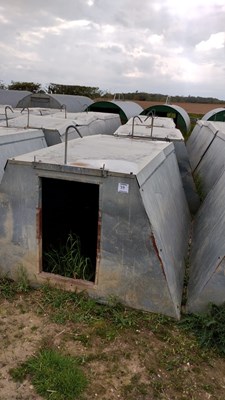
(39,224)
(98,250)
(157,252)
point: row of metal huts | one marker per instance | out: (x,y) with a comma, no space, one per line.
(121,179)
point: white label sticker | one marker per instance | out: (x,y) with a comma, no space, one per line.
(123,187)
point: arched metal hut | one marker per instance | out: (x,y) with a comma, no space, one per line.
(126,109)
(179,115)
(218,114)
(12,97)
(72,103)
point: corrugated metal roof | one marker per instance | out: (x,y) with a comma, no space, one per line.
(12,97)
(130,108)
(183,113)
(182,119)
(212,114)
(126,109)
(73,103)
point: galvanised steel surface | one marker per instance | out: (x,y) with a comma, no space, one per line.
(143,226)
(163,128)
(181,119)
(95,123)
(206,147)
(12,97)
(207,260)
(15,141)
(54,125)
(126,109)
(72,103)
(218,114)
(7,113)
(199,141)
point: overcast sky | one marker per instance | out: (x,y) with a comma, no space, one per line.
(174,47)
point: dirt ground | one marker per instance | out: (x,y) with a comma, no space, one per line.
(190,108)
(153,360)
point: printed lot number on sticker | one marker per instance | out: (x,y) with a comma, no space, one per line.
(123,187)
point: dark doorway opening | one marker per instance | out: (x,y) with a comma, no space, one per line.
(69,228)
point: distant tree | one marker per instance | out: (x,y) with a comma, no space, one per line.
(30,86)
(106,95)
(89,91)
(157,97)
(2,85)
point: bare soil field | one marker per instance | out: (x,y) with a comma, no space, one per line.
(190,108)
(125,354)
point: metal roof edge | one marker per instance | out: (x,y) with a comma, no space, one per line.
(149,169)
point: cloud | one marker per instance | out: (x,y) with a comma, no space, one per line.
(167,46)
(215,41)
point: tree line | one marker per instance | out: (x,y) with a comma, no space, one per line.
(142,96)
(54,88)
(94,92)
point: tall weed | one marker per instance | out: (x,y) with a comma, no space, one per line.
(67,260)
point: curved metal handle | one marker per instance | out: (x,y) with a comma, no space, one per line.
(28,115)
(151,114)
(6,115)
(136,116)
(66,139)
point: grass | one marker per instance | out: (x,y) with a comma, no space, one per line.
(107,338)
(209,328)
(78,307)
(53,375)
(193,118)
(9,287)
(199,187)
(107,320)
(67,260)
